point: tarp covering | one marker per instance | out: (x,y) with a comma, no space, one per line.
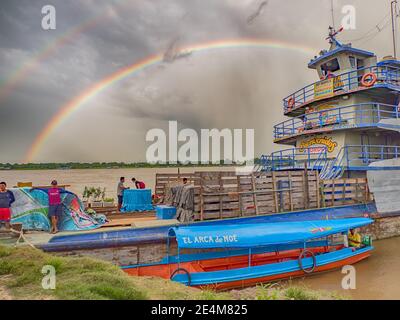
(31,208)
(137,200)
(182,197)
(263,234)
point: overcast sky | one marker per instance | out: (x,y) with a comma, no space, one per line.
(227,88)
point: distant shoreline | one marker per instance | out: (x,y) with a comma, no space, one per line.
(85,166)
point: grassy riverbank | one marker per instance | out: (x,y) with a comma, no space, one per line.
(86,278)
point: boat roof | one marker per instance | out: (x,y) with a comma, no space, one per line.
(260,234)
(391,62)
(339,49)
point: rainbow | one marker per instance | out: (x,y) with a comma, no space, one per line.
(79,101)
(31,64)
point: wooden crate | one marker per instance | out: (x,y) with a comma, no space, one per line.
(165,179)
(344,191)
(221,195)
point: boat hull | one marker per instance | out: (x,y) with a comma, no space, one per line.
(232,272)
(284,276)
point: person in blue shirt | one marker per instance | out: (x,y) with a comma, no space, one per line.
(6,200)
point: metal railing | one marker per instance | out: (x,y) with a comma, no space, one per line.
(386,75)
(359,156)
(357,115)
(353,157)
(295,158)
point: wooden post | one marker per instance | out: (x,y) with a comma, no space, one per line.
(318,190)
(322,190)
(367,193)
(239,196)
(274,192)
(344,191)
(306,188)
(201,198)
(220,197)
(290,192)
(253,183)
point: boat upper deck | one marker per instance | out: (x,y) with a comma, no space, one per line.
(361,115)
(382,76)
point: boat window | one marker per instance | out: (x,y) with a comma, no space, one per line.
(353,62)
(331,65)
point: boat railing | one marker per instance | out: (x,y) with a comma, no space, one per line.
(298,158)
(364,155)
(261,164)
(345,82)
(353,157)
(357,157)
(351,116)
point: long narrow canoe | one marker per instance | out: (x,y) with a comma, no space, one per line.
(244,255)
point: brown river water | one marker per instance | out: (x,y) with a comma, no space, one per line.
(104,178)
(377,277)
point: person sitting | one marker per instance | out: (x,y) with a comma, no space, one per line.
(354,239)
(138,184)
(6,200)
(55,203)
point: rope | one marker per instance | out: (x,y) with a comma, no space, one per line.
(185,271)
(21,236)
(374,31)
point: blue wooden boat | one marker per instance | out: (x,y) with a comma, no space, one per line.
(240,255)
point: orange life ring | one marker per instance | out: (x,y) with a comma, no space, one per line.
(369,79)
(291,103)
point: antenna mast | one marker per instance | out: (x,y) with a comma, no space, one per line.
(393,10)
(333,14)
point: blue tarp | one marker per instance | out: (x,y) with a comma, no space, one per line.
(263,234)
(137,200)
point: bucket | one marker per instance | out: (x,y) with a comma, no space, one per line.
(367,240)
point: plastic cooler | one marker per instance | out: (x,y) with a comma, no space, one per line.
(165,212)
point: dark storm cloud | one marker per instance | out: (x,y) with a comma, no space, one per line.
(228,89)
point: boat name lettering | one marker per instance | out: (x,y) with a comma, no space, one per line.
(210,239)
(328,142)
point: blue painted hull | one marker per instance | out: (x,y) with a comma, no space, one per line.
(327,260)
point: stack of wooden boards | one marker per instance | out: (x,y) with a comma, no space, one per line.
(222,194)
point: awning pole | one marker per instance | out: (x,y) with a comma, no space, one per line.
(249,257)
(169,266)
(179,259)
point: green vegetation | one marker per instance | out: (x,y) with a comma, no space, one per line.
(95,165)
(96,194)
(285,291)
(86,278)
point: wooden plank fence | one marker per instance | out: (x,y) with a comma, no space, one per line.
(165,179)
(345,191)
(221,195)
